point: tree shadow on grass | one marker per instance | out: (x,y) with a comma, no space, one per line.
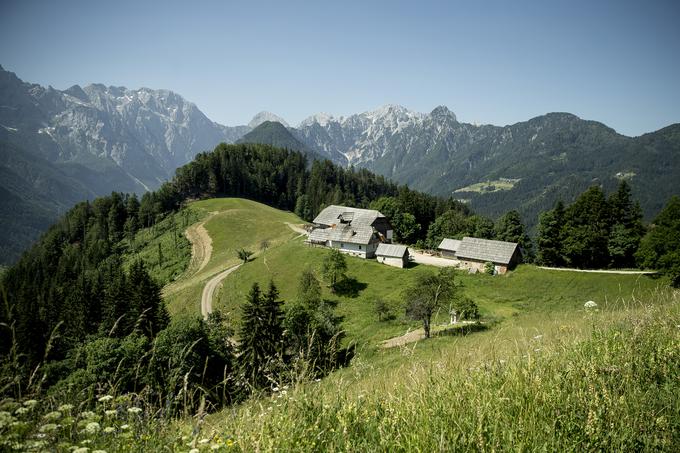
(462,329)
(349,287)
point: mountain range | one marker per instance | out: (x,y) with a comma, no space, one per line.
(58,147)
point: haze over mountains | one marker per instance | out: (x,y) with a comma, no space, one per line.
(61,147)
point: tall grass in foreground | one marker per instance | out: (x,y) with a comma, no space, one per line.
(617,390)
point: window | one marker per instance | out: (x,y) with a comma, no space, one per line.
(359,247)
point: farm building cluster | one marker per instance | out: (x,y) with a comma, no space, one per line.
(367,233)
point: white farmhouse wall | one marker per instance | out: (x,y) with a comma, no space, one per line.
(391,261)
(360,250)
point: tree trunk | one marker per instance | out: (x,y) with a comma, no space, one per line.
(426,327)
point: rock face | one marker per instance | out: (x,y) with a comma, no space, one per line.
(146,133)
(266,116)
(550,157)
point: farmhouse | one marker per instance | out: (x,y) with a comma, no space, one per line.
(392,254)
(474,253)
(449,247)
(351,230)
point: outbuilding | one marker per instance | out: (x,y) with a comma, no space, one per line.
(449,247)
(474,253)
(392,255)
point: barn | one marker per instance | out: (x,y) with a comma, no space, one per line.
(449,247)
(474,253)
(392,255)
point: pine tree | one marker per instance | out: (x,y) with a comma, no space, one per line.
(261,336)
(550,236)
(627,228)
(510,228)
(587,224)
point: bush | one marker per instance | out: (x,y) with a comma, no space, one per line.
(489,268)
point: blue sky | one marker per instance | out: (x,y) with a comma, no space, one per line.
(490,62)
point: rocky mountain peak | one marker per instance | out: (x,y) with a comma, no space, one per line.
(266,116)
(443,112)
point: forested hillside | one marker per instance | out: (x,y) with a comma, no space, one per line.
(72,286)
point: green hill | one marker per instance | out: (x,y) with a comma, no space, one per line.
(276,134)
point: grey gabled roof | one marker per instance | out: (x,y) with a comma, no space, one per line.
(358,217)
(391,250)
(450,245)
(499,252)
(343,233)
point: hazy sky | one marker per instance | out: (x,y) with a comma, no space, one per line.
(490,62)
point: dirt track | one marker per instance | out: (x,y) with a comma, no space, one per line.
(209,290)
(597,271)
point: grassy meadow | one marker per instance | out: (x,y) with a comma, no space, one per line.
(545,374)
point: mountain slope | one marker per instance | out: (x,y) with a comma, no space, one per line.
(61,147)
(526,166)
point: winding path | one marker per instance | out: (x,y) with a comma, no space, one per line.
(209,290)
(214,282)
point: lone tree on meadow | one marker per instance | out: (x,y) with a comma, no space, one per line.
(334,267)
(244,255)
(430,293)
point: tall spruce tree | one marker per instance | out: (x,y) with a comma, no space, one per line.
(587,223)
(511,229)
(660,248)
(261,337)
(550,236)
(627,228)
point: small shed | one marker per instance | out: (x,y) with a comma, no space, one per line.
(449,248)
(392,254)
(474,253)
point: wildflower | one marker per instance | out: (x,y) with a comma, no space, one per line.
(538,337)
(81,450)
(98,451)
(110,412)
(125,426)
(590,304)
(230,443)
(275,389)
(30,403)
(204,441)
(21,411)
(317,380)
(109,429)
(134,410)
(48,428)
(214,446)
(54,415)
(88,414)
(105,398)
(194,450)
(92,428)
(65,407)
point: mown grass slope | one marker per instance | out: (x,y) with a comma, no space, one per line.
(232,223)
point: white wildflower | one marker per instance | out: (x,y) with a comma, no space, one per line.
(105,398)
(538,337)
(92,428)
(134,410)
(109,429)
(54,415)
(48,428)
(204,441)
(214,446)
(125,426)
(87,414)
(81,450)
(110,412)
(590,304)
(21,411)
(194,450)
(98,451)
(65,407)
(30,403)
(275,389)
